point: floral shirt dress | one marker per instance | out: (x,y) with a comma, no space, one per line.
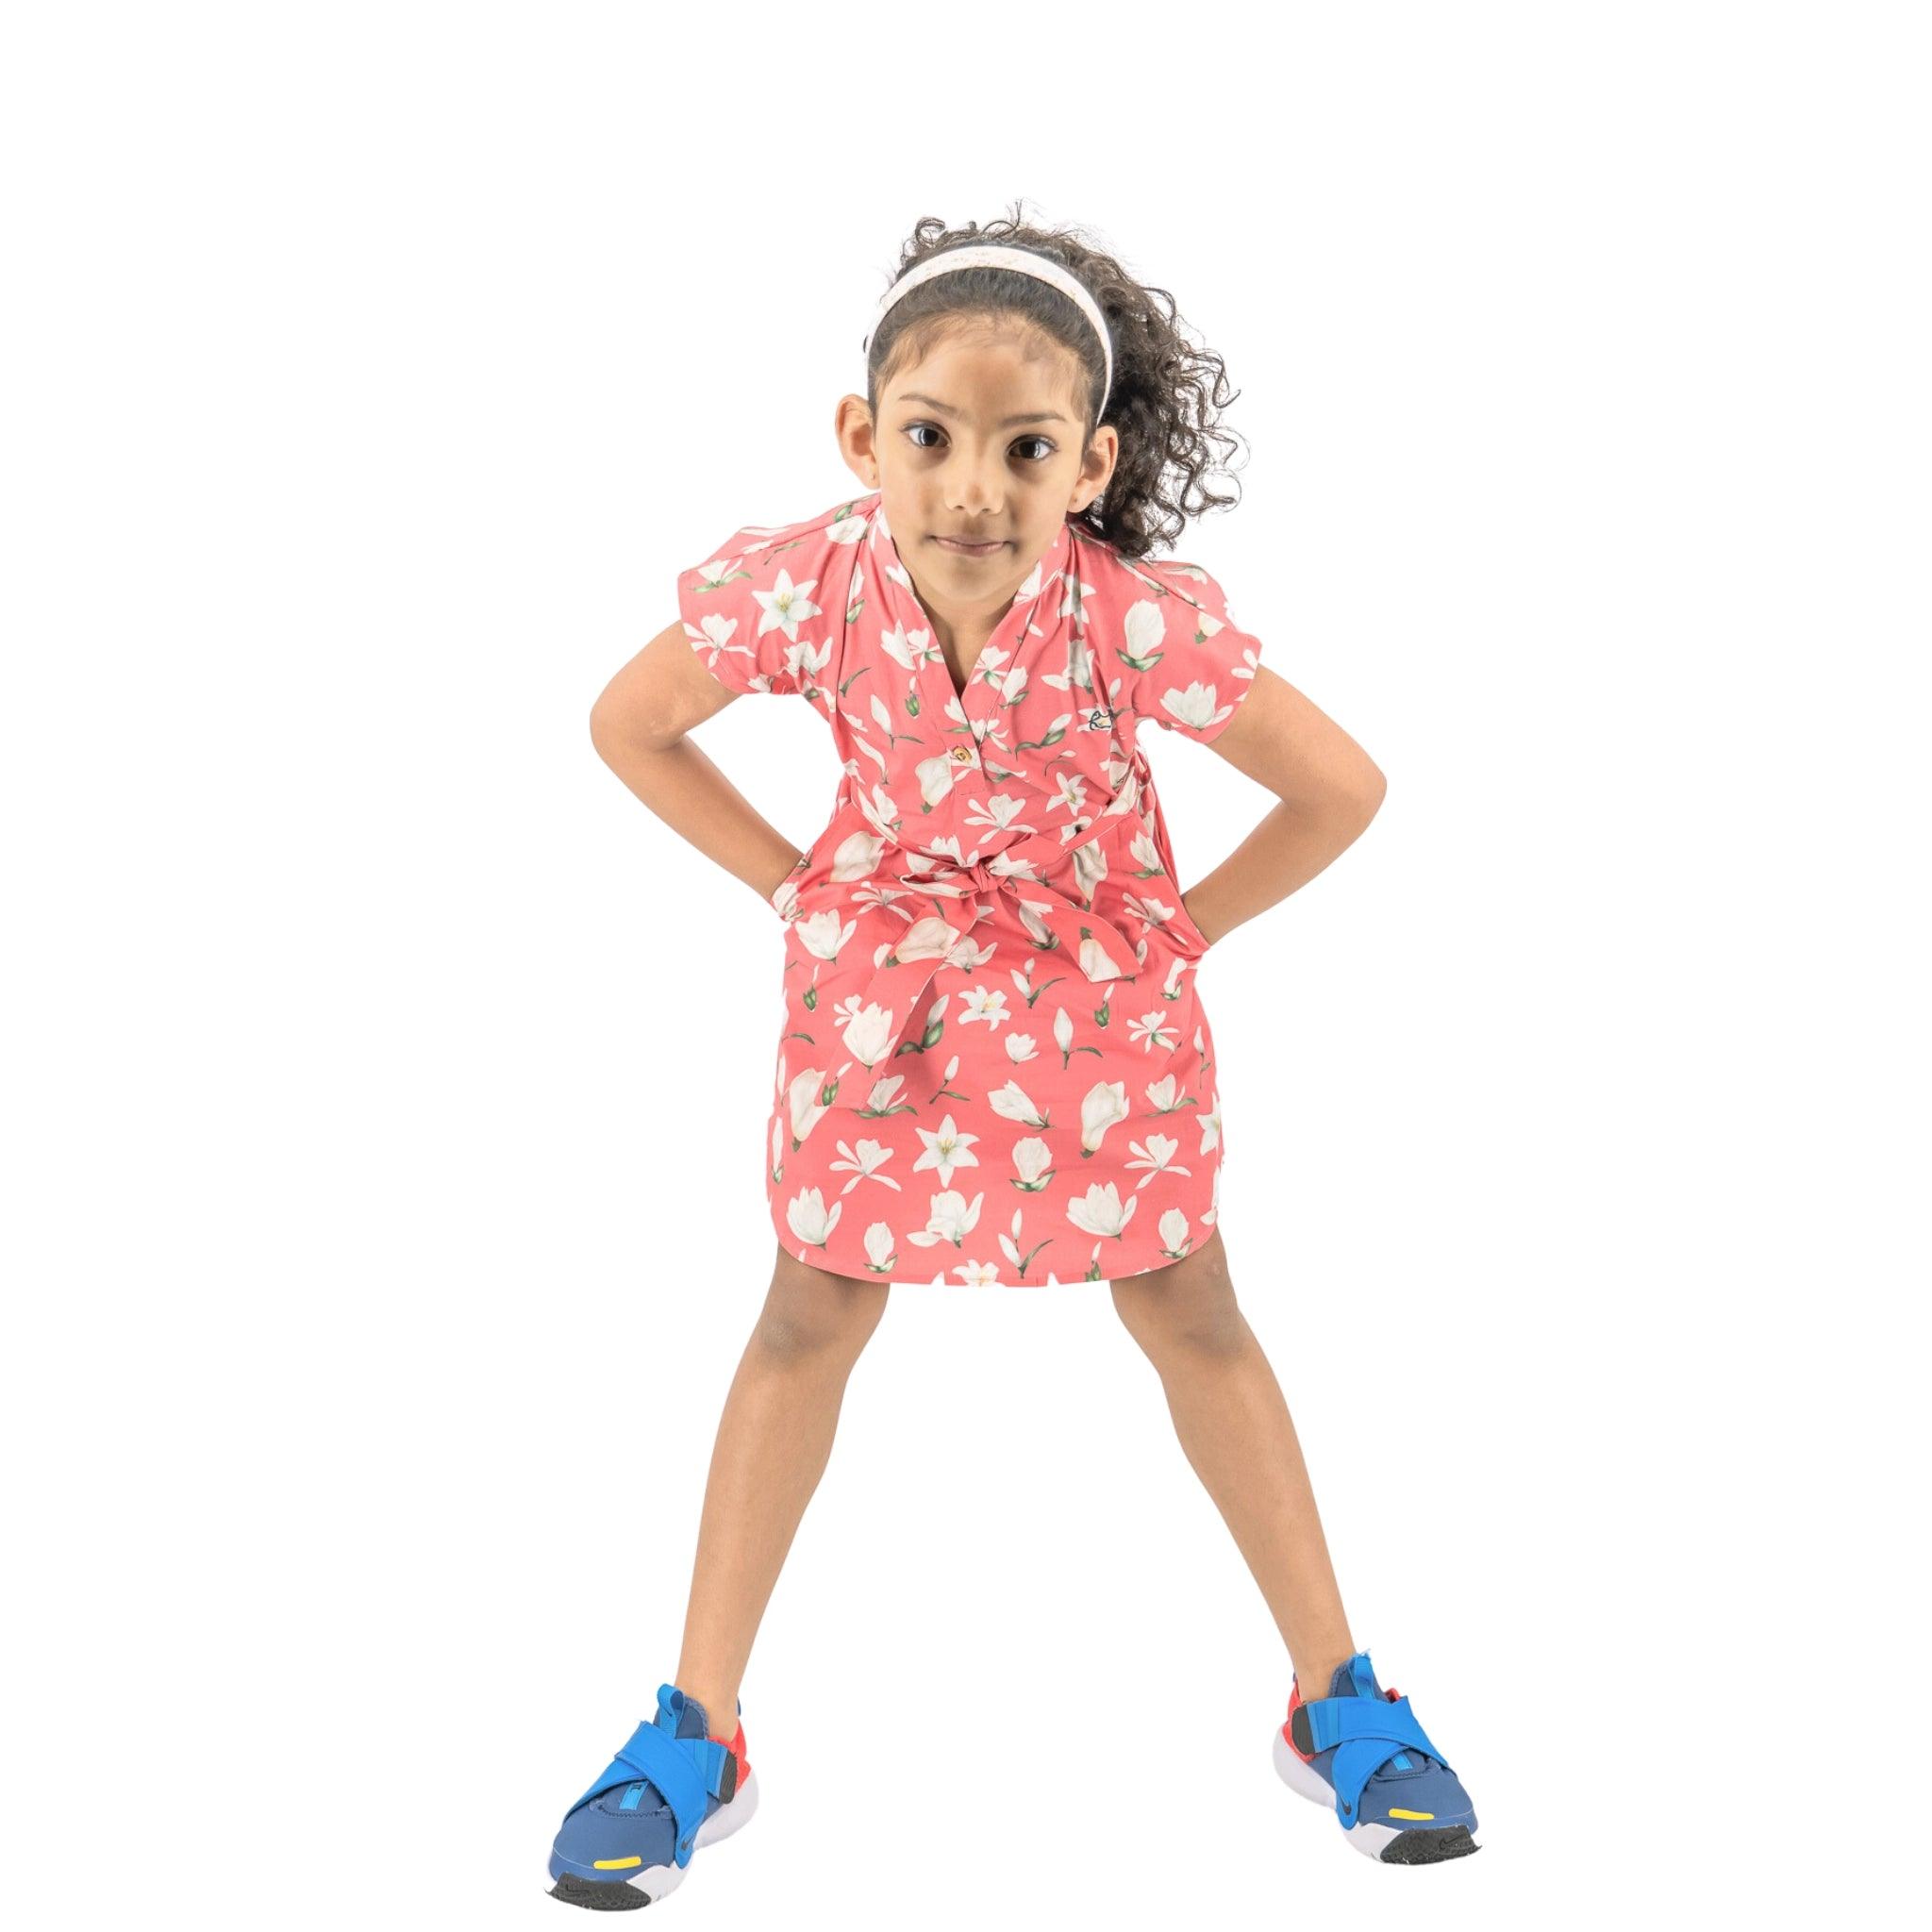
(994,1068)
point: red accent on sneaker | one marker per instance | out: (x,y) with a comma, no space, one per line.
(734,1744)
(1392,1694)
(1294,1699)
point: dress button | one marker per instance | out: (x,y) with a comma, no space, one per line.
(963,753)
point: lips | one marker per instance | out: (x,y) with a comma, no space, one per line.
(965,546)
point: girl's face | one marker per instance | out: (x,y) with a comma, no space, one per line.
(980,440)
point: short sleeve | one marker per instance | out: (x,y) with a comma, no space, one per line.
(1189,664)
(765,610)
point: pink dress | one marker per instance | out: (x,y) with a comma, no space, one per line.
(995,1067)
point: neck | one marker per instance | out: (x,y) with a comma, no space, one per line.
(961,630)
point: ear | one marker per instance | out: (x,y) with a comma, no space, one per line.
(1096,466)
(857,439)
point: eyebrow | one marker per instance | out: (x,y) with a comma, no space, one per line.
(913,395)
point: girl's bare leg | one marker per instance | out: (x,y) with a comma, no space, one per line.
(1236,1432)
(774,1441)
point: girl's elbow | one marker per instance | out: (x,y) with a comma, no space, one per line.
(1368,791)
(612,731)
(602,729)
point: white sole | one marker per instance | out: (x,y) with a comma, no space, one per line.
(1369,1839)
(658,1881)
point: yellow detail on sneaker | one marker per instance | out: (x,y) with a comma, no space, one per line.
(1393,1812)
(615,1864)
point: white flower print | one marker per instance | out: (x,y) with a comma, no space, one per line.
(880,813)
(808,1219)
(907,649)
(936,776)
(1032,1158)
(865,1163)
(987,1003)
(970,956)
(993,813)
(823,934)
(1011,1104)
(950,1220)
(1020,1048)
(713,633)
(1010,1248)
(1070,790)
(1004,865)
(884,1091)
(1038,931)
(1210,1128)
(1146,906)
(1151,1030)
(929,937)
(1194,706)
(941,852)
(856,857)
(868,1034)
(1173,1233)
(805,1098)
(1143,627)
(1089,869)
(879,1252)
(1094,961)
(1099,1210)
(1163,1096)
(945,1150)
(1105,1106)
(786,606)
(803,661)
(1156,1155)
(1079,675)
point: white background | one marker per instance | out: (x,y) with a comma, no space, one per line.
(384,1086)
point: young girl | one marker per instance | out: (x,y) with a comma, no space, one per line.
(994,1064)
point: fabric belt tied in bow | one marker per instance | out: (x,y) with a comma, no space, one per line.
(1094,947)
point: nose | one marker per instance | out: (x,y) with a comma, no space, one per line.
(976,488)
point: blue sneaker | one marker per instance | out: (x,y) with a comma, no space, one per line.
(1361,1751)
(672,1787)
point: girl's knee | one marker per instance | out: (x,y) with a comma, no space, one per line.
(1187,1303)
(810,1312)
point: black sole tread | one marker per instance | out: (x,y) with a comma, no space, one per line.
(1429,1847)
(599,1895)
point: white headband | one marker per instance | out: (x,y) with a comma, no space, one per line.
(1023,261)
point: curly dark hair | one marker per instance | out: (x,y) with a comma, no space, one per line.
(1163,401)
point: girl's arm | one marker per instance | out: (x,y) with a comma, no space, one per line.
(639,726)
(1329,790)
